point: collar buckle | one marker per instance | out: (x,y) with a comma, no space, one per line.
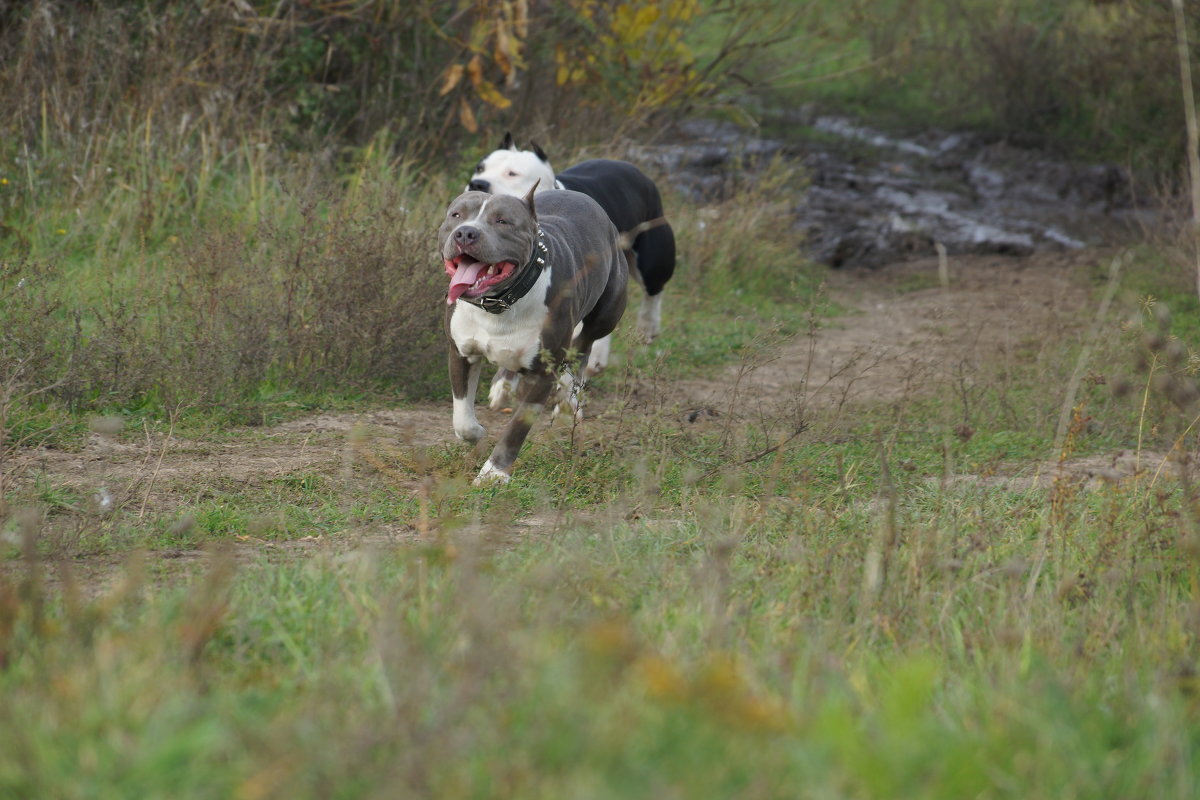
(493,305)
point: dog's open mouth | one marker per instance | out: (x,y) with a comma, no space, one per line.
(472,278)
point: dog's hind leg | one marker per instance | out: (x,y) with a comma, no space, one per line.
(650,314)
(572,378)
(598,359)
(652,264)
(650,317)
(569,389)
(532,394)
(503,387)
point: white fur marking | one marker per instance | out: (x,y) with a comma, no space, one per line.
(568,397)
(466,425)
(650,317)
(501,393)
(528,167)
(490,473)
(511,340)
(598,358)
(479,213)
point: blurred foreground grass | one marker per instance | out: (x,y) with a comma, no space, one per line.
(740,647)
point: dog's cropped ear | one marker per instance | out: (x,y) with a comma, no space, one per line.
(508,143)
(529,197)
(539,152)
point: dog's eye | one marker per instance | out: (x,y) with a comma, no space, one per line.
(501,221)
(479,169)
(512,174)
(455,215)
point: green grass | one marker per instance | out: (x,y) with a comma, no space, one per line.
(803,619)
(884,606)
(1085,79)
(735,654)
(797,619)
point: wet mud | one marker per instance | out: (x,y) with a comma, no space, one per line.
(867,199)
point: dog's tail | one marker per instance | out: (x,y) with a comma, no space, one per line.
(626,238)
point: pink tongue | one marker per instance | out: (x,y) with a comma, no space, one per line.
(464,278)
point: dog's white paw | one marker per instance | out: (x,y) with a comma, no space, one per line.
(466,426)
(491,474)
(503,387)
(649,322)
(566,408)
(471,432)
(568,401)
(598,358)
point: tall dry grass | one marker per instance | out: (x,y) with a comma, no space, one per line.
(203,202)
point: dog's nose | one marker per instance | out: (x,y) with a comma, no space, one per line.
(466,234)
(479,185)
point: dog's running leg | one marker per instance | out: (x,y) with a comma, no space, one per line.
(570,387)
(503,387)
(651,264)
(598,359)
(532,393)
(650,317)
(464,383)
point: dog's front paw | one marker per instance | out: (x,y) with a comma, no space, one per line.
(491,474)
(470,432)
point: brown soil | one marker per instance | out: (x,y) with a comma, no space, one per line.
(902,334)
(904,330)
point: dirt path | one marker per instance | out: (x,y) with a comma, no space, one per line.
(902,334)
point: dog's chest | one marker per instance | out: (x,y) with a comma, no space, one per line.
(511,339)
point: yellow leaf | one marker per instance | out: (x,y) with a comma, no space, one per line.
(646,16)
(475,70)
(490,94)
(501,54)
(453,76)
(467,117)
(502,62)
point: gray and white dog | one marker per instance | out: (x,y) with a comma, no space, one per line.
(632,202)
(530,291)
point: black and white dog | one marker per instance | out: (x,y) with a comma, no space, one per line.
(530,291)
(630,199)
